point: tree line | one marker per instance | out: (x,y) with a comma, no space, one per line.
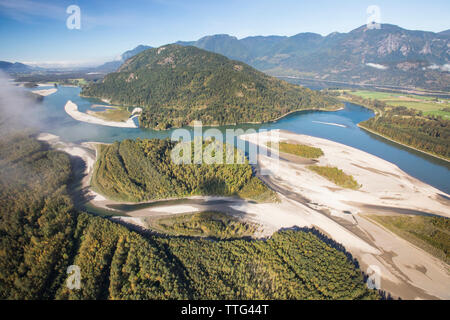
(429,133)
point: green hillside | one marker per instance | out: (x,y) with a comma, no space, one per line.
(177,85)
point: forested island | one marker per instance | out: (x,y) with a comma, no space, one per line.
(176,85)
(424,132)
(142,170)
(42,234)
(213,225)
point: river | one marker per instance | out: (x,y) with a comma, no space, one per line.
(340,126)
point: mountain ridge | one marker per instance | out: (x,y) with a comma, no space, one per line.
(15,67)
(390,56)
(112,66)
(177,84)
(409,57)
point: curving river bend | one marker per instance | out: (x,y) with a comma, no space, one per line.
(340,126)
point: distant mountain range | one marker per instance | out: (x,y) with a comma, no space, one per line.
(112,66)
(388,56)
(15,67)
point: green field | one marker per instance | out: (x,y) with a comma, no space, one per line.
(203,224)
(337,176)
(428,105)
(300,150)
(432,234)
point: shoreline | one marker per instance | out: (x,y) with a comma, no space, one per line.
(305,110)
(377,114)
(402,144)
(45,92)
(72,110)
(335,109)
(340,213)
(251,123)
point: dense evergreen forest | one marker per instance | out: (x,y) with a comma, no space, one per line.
(42,234)
(177,85)
(408,126)
(142,170)
(214,225)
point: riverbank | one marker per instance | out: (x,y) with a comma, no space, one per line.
(383,183)
(402,144)
(406,271)
(379,113)
(362,104)
(45,92)
(72,110)
(337,108)
(85,151)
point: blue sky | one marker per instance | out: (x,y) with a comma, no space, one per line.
(35,31)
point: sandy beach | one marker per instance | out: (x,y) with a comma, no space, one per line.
(72,110)
(308,200)
(45,92)
(86,152)
(406,271)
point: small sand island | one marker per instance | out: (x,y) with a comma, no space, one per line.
(72,110)
(45,92)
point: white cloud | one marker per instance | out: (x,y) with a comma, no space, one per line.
(27,11)
(433,67)
(445,67)
(22,10)
(377,66)
(64,64)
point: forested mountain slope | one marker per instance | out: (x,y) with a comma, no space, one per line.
(177,85)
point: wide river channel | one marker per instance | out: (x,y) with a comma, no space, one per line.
(340,126)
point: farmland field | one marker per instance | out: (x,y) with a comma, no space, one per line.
(429,105)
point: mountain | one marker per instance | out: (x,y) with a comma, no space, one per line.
(387,56)
(112,66)
(15,67)
(178,84)
(131,53)
(224,44)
